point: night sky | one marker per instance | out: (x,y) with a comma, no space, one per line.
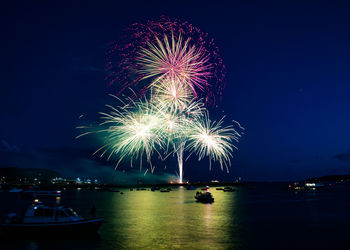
(287,83)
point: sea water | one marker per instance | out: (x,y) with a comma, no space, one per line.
(258,216)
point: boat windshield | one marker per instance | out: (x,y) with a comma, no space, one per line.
(40,211)
(71,212)
(61,213)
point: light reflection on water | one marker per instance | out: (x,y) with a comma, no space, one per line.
(147,220)
(170,220)
(263,218)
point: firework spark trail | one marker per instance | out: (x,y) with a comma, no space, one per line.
(210,139)
(171,93)
(121,58)
(131,130)
(178,74)
(179,155)
(140,128)
(176,61)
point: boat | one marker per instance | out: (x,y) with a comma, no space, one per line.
(104,189)
(314,185)
(40,218)
(112,190)
(165,190)
(42,193)
(204,197)
(15,190)
(307,186)
(228,189)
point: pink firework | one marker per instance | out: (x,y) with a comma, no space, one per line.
(123,68)
(176,61)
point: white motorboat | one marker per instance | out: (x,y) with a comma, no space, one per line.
(44,219)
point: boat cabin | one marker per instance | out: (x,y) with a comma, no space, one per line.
(38,213)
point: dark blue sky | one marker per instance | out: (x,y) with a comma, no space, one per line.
(288,80)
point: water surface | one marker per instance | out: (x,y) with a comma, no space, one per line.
(265,217)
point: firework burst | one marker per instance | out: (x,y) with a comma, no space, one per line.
(122,58)
(176,69)
(175,121)
(140,128)
(131,131)
(172,94)
(175,60)
(210,139)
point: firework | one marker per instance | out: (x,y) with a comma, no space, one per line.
(210,139)
(172,94)
(141,128)
(122,59)
(175,121)
(131,131)
(175,69)
(175,61)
